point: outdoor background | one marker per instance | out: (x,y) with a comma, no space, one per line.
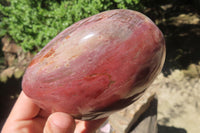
(28,25)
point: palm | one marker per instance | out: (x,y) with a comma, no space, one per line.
(27,117)
(32,126)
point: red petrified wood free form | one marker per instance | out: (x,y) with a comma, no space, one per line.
(96,66)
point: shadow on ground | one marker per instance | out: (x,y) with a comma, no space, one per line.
(166,129)
(180,24)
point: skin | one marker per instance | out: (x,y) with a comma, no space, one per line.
(27,117)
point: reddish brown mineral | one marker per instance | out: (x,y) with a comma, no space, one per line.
(96,66)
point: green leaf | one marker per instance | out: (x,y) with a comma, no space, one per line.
(2,32)
(33,23)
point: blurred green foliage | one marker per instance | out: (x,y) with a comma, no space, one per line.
(33,23)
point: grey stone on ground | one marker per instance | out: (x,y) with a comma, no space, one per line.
(123,120)
(144,123)
(147,122)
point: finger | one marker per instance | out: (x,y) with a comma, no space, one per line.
(59,123)
(89,126)
(24,109)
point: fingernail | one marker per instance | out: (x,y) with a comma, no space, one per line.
(60,123)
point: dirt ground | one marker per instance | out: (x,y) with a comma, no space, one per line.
(179,102)
(179,89)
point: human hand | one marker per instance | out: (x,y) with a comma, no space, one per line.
(26,117)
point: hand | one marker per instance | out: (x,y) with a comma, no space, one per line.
(26,117)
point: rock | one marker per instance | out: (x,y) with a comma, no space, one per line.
(123,120)
(10,59)
(177,75)
(18,73)
(192,71)
(10,46)
(147,122)
(15,58)
(166,7)
(185,19)
(7,73)
(147,119)
(3,78)
(10,49)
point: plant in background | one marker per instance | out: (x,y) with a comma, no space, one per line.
(33,23)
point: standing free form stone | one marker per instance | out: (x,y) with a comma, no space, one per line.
(96,66)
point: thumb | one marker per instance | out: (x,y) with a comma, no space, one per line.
(59,123)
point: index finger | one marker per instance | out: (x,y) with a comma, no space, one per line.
(24,109)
